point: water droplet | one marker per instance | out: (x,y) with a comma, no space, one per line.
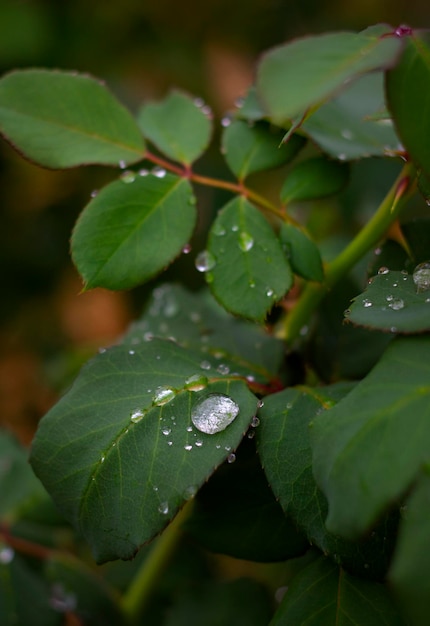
(189,429)
(158,172)
(6,555)
(186,249)
(251,434)
(206,109)
(205,261)
(128,176)
(255,422)
(252,284)
(393,329)
(396,304)
(199,102)
(137,415)
(269,293)
(341,156)
(197,382)
(155,488)
(166,431)
(223,369)
(170,443)
(214,413)
(218,229)
(122,164)
(143,172)
(131,352)
(148,336)
(235,228)
(61,600)
(94,193)
(231,458)
(367,303)
(102,459)
(226,121)
(190,492)
(205,365)
(163,508)
(188,447)
(199,443)
(421,276)
(378,251)
(347,134)
(163,395)
(383,270)
(245,242)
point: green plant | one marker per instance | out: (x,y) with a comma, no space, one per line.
(169,431)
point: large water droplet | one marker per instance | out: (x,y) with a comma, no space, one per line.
(205,261)
(396,304)
(163,395)
(245,241)
(137,415)
(421,276)
(214,413)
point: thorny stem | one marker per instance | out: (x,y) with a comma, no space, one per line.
(368,237)
(147,578)
(238,188)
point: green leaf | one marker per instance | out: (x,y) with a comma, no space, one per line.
(176,126)
(283,441)
(369,447)
(346,127)
(391,302)
(132,229)
(120,454)
(76,588)
(314,178)
(19,488)
(248,272)
(299,75)
(24,594)
(408,91)
(195,320)
(242,602)
(409,575)
(236,513)
(322,593)
(249,149)
(302,253)
(63,119)
(250,108)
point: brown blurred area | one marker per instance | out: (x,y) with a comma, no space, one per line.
(141,48)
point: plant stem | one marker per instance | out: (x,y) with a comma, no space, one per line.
(368,237)
(147,578)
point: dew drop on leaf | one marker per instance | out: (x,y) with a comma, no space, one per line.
(255,421)
(137,415)
(163,395)
(421,276)
(6,555)
(205,261)
(214,413)
(231,458)
(197,382)
(128,176)
(218,229)
(245,242)
(188,447)
(383,270)
(396,304)
(367,303)
(205,365)
(163,508)
(158,172)
(143,172)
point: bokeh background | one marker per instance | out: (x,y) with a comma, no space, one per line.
(141,48)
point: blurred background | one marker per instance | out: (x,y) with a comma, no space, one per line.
(140,48)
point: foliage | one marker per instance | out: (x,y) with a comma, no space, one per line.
(222,421)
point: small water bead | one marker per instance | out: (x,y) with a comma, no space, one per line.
(131,352)
(143,172)
(223,369)
(251,434)
(199,102)
(227,448)
(102,459)
(170,443)
(128,176)
(197,382)
(186,249)
(158,172)
(377,251)
(421,276)
(252,284)
(226,121)
(347,134)
(218,229)
(367,303)
(396,304)
(137,415)
(94,193)
(235,228)
(205,261)
(199,443)
(214,413)
(206,109)
(163,508)
(269,293)
(245,242)
(389,298)
(6,555)
(341,156)
(231,458)
(189,429)
(163,395)
(190,492)
(205,365)
(188,447)
(122,165)
(383,270)
(166,431)
(255,422)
